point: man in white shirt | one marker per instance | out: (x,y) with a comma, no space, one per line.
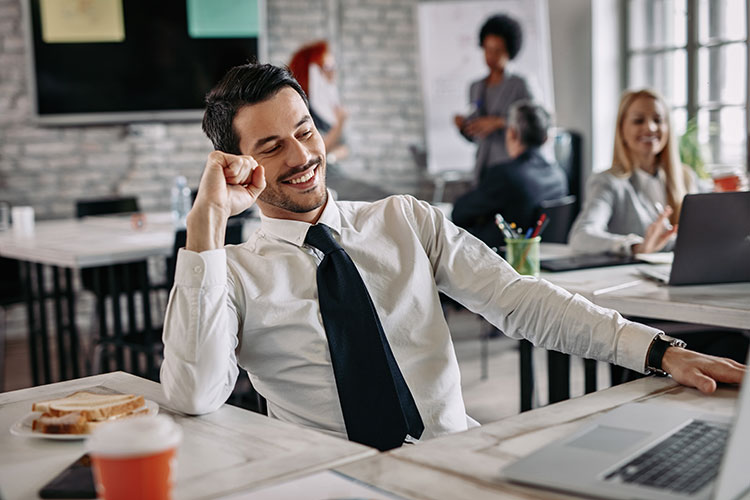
(256,304)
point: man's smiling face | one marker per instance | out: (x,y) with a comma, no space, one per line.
(280,135)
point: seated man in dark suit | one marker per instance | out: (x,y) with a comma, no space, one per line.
(514,188)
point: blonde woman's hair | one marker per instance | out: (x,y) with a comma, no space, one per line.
(677,181)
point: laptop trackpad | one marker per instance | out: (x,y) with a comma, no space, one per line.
(608,439)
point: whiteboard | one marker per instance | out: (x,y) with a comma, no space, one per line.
(451,59)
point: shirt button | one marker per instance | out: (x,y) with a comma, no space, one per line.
(197,269)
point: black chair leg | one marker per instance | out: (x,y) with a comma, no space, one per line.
(527,374)
(558,376)
(589,376)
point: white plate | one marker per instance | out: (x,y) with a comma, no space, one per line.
(22,427)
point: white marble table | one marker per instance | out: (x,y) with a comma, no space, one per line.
(467,464)
(724,305)
(223,452)
(56,249)
(91,241)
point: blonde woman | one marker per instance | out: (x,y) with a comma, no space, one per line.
(634,206)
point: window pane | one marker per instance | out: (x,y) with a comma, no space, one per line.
(657,24)
(678,120)
(721,20)
(665,72)
(722,133)
(721,74)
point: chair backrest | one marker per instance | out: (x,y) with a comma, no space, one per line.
(567,148)
(101,206)
(233,236)
(560,213)
(11,288)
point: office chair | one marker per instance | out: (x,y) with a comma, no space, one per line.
(561,214)
(11,293)
(130,279)
(100,206)
(104,206)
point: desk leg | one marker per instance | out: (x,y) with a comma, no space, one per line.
(527,374)
(103,363)
(43,336)
(132,332)
(62,350)
(114,295)
(72,327)
(28,283)
(148,328)
(589,377)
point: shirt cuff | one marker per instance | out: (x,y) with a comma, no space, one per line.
(632,347)
(201,270)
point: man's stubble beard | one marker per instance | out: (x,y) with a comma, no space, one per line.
(275,198)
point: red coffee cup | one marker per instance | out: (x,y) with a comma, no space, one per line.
(135,458)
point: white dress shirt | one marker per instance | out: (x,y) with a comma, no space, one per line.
(256,304)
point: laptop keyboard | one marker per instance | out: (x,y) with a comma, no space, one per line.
(684,462)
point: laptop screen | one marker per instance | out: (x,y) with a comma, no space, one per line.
(713,242)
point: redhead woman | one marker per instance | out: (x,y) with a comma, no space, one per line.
(634,206)
(314,67)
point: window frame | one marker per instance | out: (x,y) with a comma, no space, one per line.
(692,49)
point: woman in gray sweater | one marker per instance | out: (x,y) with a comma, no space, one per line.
(634,206)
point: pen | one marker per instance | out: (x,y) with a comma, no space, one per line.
(538,226)
(503,226)
(543,226)
(528,233)
(614,288)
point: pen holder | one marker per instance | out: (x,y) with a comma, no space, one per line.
(523,255)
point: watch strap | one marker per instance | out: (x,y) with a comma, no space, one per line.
(656,352)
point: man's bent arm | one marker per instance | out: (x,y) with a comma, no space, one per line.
(200,334)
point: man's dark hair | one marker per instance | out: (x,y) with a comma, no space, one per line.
(531,121)
(506,28)
(241,86)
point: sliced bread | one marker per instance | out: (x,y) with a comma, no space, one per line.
(72,423)
(91,405)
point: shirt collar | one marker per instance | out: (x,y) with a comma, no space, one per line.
(295,231)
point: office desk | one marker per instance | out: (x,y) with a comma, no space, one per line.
(53,252)
(226,451)
(467,464)
(57,249)
(726,305)
(627,291)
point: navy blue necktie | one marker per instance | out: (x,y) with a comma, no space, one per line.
(378,407)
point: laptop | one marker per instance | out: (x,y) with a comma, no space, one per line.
(648,450)
(713,242)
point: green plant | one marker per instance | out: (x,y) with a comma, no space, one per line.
(690,150)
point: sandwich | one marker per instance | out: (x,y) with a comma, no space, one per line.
(82,411)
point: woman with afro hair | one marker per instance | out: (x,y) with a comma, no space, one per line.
(491,97)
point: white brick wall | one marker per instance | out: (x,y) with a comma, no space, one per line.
(375,41)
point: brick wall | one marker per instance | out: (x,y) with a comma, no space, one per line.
(375,43)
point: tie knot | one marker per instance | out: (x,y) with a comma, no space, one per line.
(319,236)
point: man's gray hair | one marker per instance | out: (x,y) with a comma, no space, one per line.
(531,121)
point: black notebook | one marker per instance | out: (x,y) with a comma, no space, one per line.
(586,261)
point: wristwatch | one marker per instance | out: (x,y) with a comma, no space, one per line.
(656,352)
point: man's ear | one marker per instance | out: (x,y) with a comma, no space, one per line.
(512,133)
